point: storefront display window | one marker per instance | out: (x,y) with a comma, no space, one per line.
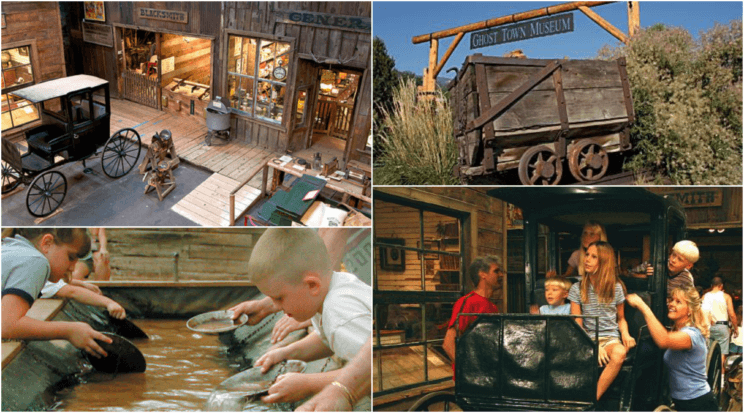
(257,76)
(300,113)
(18,73)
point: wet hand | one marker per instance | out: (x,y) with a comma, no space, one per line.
(116,311)
(256,311)
(604,358)
(92,287)
(83,336)
(288,387)
(269,359)
(284,326)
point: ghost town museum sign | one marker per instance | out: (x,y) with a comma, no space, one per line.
(547,26)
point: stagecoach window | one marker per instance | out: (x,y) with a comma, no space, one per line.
(418,270)
(257,72)
(18,73)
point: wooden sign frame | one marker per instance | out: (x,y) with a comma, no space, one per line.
(100,34)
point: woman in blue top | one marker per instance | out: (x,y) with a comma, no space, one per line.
(685,346)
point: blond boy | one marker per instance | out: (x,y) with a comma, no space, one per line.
(683,256)
(556,292)
(292,267)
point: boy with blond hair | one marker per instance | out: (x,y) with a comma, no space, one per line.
(683,256)
(292,267)
(556,293)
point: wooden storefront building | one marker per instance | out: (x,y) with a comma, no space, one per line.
(293,73)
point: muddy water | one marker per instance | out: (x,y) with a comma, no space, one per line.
(183,367)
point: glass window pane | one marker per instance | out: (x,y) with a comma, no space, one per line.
(17,111)
(240,92)
(397,269)
(273,95)
(27,113)
(7,123)
(439,364)
(401,366)
(268,55)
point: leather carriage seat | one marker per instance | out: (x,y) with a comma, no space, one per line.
(47,139)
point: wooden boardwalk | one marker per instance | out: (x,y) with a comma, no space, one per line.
(233,160)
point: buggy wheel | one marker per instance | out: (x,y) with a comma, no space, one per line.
(713,369)
(11,178)
(588,161)
(121,153)
(441,401)
(539,165)
(46,193)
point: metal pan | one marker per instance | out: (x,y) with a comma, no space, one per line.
(123,356)
(215,322)
(126,328)
(249,386)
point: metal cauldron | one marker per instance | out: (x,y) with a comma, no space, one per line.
(218,114)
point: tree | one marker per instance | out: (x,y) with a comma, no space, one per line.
(385,79)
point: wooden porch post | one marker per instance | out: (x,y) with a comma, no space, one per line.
(430,80)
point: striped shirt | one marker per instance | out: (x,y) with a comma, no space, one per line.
(607,312)
(681,280)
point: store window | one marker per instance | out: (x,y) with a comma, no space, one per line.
(257,71)
(18,73)
(419,255)
(300,113)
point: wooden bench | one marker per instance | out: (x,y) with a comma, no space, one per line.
(44,310)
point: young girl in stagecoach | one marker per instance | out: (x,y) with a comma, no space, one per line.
(601,293)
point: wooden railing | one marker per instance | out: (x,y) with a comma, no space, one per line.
(141,89)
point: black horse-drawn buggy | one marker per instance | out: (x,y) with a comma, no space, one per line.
(75,123)
(548,362)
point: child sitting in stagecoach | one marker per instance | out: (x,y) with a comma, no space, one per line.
(601,293)
(556,292)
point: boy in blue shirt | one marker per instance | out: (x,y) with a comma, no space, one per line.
(556,292)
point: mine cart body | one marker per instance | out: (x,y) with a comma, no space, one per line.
(75,117)
(571,109)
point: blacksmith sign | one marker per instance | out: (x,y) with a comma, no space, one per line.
(698,198)
(547,26)
(164,15)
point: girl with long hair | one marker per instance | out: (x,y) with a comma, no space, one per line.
(686,350)
(601,293)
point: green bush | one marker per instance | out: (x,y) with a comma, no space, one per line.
(687,96)
(416,139)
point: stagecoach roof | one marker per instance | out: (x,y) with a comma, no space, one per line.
(52,89)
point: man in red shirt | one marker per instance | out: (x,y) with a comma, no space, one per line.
(487,274)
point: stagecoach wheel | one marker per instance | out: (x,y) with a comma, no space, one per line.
(539,165)
(713,370)
(46,193)
(588,161)
(441,401)
(121,153)
(11,178)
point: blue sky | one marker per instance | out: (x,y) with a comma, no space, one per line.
(396,23)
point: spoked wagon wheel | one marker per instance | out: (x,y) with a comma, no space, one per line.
(11,178)
(539,165)
(121,153)
(441,401)
(588,161)
(46,193)
(713,370)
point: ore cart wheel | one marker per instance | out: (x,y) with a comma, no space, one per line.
(713,370)
(540,166)
(121,153)
(588,161)
(11,178)
(442,401)
(46,193)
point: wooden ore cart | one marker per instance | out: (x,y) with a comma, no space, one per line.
(532,114)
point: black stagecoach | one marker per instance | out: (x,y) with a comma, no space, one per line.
(547,362)
(75,120)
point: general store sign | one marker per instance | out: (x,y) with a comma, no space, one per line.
(326,21)
(547,26)
(165,15)
(698,198)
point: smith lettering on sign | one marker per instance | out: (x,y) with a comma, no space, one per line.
(326,21)
(547,26)
(698,198)
(165,15)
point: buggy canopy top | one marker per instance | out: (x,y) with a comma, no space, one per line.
(52,89)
